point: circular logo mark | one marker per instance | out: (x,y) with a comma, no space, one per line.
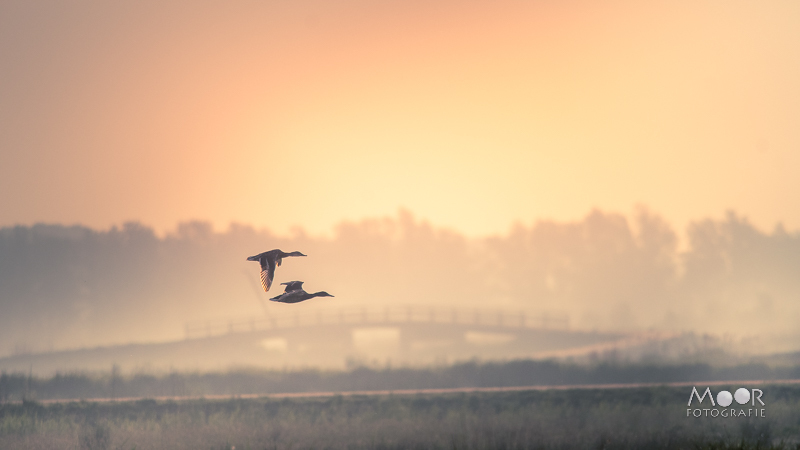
(742,396)
(724,398)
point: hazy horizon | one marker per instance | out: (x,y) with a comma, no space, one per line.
(605,272)
(293,230)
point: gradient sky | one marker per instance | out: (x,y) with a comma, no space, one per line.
(472,114)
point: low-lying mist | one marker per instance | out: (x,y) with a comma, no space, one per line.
(71,286)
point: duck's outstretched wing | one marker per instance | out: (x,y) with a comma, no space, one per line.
(293,285)
(267,272)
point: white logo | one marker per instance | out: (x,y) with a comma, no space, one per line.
(725,399)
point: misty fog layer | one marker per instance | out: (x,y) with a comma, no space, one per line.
(68,286)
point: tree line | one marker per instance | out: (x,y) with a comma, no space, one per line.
(68,286)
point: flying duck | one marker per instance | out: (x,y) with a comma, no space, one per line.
(295,294)
(268,261)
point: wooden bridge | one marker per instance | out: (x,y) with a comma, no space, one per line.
(315,336)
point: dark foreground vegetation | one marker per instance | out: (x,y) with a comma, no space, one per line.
(17,386)
(632,418)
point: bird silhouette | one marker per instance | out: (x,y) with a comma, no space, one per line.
(294,293)
(268,262)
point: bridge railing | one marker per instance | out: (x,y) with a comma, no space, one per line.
(380,316)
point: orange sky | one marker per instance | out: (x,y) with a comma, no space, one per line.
(472,114)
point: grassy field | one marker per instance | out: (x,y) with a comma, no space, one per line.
(630,418)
